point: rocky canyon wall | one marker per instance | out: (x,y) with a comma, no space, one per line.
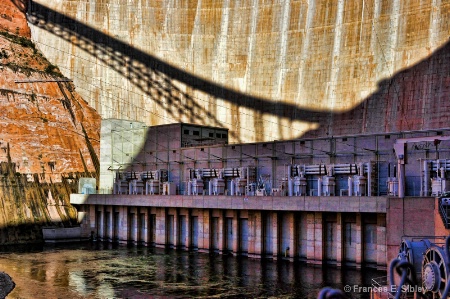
(263,69)
(49,135)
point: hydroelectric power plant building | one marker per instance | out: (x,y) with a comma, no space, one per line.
(343,199)
(312,130)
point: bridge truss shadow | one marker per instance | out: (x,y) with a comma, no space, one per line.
(408,100)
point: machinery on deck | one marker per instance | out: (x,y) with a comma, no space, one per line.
(429,262)
(344,179)
(225,181)
(352,179)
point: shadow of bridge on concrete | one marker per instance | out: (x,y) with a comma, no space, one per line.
(413,99)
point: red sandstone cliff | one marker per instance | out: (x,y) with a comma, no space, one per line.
(12,18)
(48,127)
(49,135)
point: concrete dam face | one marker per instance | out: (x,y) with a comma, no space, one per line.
(265,70)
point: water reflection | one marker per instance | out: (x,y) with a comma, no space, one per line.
(106,271)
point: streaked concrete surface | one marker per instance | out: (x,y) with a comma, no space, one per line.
(265,70)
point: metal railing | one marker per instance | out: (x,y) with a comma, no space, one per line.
(444,210)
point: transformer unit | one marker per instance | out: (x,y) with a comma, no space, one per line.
(392,183)
(324,180)
(147,182)
(215,181)
(435,173)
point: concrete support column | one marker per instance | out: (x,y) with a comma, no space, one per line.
(133,225)
(301,235)
(100,219)
(216,221)
(160,240)
(359,241)
(381,241)
(243,234)
(115,223)
(229,231)
(203,230)
(236,232)
(255,234)
(275,235)
(173,235)
(339,240)
(109,212)
(144,224)
(184,220)
(193,228)
(315,249)
(292,236)
(190,228)
(123,224)
(221,232)
(287,229)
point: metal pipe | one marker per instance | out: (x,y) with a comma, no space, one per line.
(350,186)
(401,178)
(426,178)
(248,180)
(289,180)
(210,187)
(319,187)
(232,187)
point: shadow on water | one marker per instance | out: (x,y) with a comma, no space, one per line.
(97,270)
(398,104)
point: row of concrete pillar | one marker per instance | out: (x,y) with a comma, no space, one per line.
(315,237)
